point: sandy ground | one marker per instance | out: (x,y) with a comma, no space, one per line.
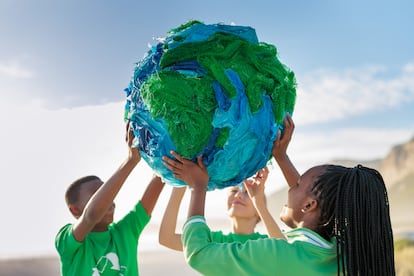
(152,263)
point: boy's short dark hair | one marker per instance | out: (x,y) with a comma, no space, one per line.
(72,192)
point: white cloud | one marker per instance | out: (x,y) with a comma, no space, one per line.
(15,70)
(328,95)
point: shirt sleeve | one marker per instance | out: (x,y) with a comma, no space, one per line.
(255,257)
(135,220)
(65,242)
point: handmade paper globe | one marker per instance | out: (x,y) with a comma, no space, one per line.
(211,90)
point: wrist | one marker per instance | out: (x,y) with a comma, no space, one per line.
(199,188)
(281,157)
(133,159)
(259,203)
(197,202)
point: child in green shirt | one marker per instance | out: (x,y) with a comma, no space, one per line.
(94,244)
(240,209)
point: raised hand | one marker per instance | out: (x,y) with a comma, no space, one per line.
(193,174)
(133,153)
(255,187)
(281,143)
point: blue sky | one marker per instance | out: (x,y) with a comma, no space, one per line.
(64,65)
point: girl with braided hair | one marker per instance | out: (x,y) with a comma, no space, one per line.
(352,209)
(339,220)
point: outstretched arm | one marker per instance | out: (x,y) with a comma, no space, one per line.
(167,235)
(151,194)
(194,175)
(255,188)
(102,200)
(279,152)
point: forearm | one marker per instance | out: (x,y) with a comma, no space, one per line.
(272,228)
(102,200)
(288,169)
(167,234)
(197,201)
(151,194)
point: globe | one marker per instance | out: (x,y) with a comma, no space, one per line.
(212,90)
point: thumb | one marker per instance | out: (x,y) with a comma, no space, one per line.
(200,162)
(248,185)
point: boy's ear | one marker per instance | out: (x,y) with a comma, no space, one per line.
(74,210)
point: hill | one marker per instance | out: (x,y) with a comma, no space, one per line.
(397,169)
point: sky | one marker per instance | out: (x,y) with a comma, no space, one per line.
(64,66)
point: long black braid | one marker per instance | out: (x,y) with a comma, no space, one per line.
(354,209)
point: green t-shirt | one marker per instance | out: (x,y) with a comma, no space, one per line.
(218,236)
(303,253)
(113,252)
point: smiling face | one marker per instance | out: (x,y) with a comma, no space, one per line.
(239,204)
(300,200)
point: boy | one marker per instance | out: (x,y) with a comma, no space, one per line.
(94,245)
